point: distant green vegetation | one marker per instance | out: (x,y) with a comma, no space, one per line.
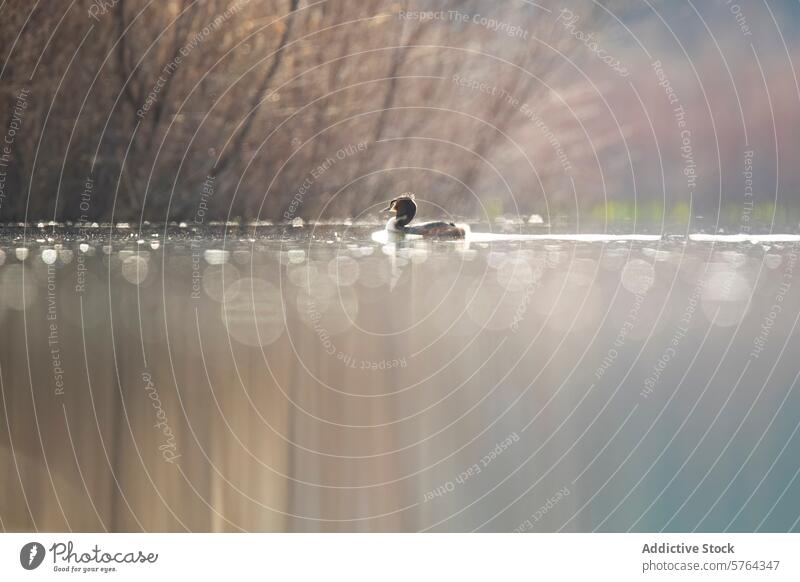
(651,215)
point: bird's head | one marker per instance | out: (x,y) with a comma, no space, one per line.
(403,207)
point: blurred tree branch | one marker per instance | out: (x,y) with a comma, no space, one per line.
(235,147)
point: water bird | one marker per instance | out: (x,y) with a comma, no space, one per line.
(404,209)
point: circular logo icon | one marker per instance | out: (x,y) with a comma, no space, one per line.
(31,555)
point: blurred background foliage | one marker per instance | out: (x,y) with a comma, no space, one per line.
(147,99)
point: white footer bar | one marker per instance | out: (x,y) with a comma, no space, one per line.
(405,557)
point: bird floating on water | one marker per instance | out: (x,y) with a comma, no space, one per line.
(404,209)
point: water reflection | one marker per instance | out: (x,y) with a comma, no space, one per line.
(325,380)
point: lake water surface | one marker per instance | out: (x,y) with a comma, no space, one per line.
(322,379)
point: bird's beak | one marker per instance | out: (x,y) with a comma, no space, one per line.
(388,209)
